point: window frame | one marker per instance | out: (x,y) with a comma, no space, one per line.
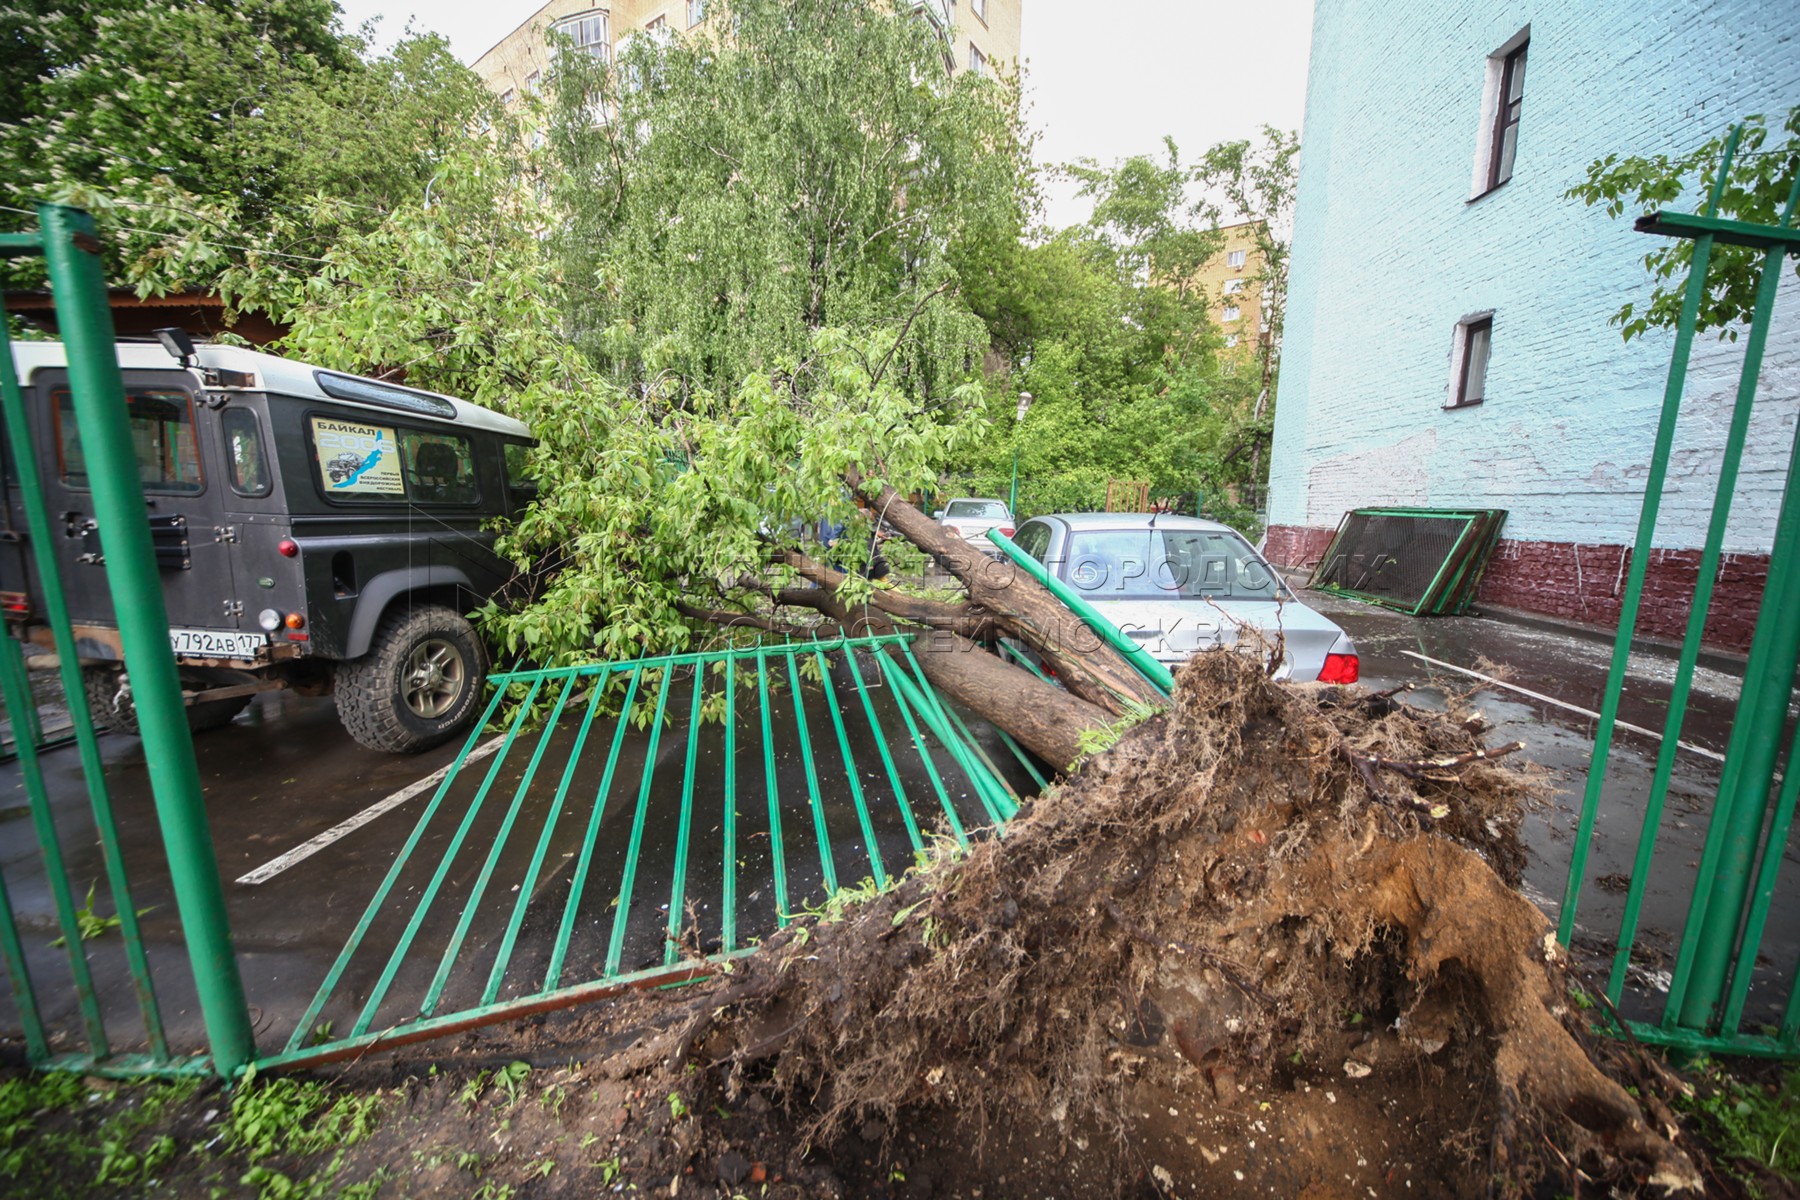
(978,62)
(1231,312)
(696,12)
(1467,330)
(1235,259)
(63,387)
(405,499)
(979,8)
(262,451)
(1505,68)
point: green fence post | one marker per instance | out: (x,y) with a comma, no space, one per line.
(79,287)
(1750,759)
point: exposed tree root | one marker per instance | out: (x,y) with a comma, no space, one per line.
(1223,917)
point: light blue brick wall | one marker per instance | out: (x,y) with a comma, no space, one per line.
(1389,253)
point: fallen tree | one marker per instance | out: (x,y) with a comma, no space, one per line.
(1274,916)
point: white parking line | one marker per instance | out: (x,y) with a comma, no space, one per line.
(306,850)
(1586,712)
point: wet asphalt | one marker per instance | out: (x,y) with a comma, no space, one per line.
(501,855)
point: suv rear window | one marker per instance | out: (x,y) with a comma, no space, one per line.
(985,510)
(162,431)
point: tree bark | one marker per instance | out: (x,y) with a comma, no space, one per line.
(1044,718)
(1021,608)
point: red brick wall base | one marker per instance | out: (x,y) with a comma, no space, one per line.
(1585,583)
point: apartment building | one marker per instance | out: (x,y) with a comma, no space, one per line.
(1232,281)
(1448,340)
(982,35)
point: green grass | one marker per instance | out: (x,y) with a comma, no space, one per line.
(1745,1119)
(65,1135)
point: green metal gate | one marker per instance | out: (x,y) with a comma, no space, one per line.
(71,253)
(544,885)
(1747,834)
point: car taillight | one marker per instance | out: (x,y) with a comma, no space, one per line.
(16,605)
(1340,668)
(1006,531)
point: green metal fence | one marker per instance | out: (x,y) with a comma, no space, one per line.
(643,821)
(1747,834)
(66,242)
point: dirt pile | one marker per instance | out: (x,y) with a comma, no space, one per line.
(1269,942)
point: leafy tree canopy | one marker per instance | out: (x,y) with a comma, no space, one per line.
(1758,188)
(723,198)
(194,126)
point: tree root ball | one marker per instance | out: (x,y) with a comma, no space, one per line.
(1269,943)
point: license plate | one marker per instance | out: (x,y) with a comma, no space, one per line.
(216,643)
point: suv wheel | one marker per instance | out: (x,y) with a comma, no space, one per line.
(110,707)
(418,685)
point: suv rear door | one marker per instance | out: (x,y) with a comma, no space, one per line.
(186,518)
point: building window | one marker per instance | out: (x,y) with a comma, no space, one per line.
(1231,341)
(532,82)
(696,12)
(977,60)
(1498,143)
(506,97)
(588,33)
(1235,260)
(659,28)
(1229,313)
(1469,354)
(1233,285)
(979,8)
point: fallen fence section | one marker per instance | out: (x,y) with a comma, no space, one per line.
(645,821)
(1720,959)
(1422,561)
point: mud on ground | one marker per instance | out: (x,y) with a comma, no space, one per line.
(1269,943)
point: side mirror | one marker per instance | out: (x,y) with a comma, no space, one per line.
(938,515)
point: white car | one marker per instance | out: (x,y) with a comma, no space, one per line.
(1178,585)
(970,518)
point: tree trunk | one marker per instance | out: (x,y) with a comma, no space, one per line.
(1045,719)
(1021,608)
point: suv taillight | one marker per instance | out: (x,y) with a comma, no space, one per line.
(1006,531)
(1340,668)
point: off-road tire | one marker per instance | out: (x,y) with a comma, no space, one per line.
(102,687)
(371,690)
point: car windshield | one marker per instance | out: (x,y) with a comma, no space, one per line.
(1172,564)
(985,510)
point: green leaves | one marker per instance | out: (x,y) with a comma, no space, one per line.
(1757,189)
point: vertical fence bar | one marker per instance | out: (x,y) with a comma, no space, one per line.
(1710,936)
(728,898)
(18,971)
(678,885)
(1642,548)
(777,851)
(578,882)
(379,902)
(56,612)
(426,899)
(507,942)
(1697,613)
(615,950)
(991,797)
(1001,800)
(887,758)
(826,865)
(1764,895)
(15,687)
(98,390)
(478,892)
(856,792)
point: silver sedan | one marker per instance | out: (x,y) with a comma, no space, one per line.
(1179,585)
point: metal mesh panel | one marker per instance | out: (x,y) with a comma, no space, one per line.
(1390,557)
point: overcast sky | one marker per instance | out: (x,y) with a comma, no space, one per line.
(1104,78)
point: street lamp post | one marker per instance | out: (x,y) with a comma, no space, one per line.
(1012,501)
